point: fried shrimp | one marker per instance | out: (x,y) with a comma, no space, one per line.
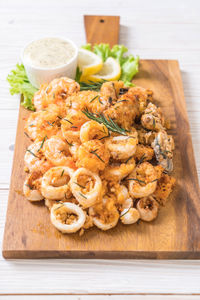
(57,151)
(163,146)
(142,181)
(118,172)
(142,95)
(43,123)
(93,155)
(71,124)
(31,187)
(122,147)
(55,183)
(86,187)
(35,160)
(67,217)
(55,92)
(148,208)
(92,130)
(105,215)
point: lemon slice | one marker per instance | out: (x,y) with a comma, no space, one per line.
(89,63)
(110,71)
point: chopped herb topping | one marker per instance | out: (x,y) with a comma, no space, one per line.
(31,152)
(94,152)
(42,143)
(51,124)
(68,121)
(69,143)
(29,186)
(94,98)
(81,186)
(62,173)
(27,134)
(138,180)
(83,195)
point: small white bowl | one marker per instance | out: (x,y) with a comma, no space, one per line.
(39,75)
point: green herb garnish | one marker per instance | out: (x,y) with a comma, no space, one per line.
(31,152)
(94,98)
(81,186)
(94,152)
(42,143)
(69,143)
(109,123)
(83,195)
(138,180)
(62,173)
(68,121)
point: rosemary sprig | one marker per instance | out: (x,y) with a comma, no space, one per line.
(69,143)
(94,152)
(124,100)
(101,119)
(125,212)
(32,153)
(80,185)
(99,99)
(62,173)
(94,98)
(27,135)
(51,124)
(83,195)
(141,159)
(58,207)
(154,123)
(74,127)
(91,85)
(28,185)
(42,143)
(68,121)
(129,159)
(138,180)
(154,180)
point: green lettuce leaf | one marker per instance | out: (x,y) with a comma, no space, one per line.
(20,84)
(87,47)
(130,68)
(102,50)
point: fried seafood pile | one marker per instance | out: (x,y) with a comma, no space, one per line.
(97,157)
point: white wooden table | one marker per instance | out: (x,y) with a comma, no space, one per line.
(153,29)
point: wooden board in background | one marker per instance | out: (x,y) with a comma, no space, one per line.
(174,234)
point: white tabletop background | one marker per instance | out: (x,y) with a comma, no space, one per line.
(153,29)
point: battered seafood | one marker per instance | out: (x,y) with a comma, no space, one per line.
(97,157)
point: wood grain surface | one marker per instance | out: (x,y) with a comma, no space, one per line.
(102,29)
(174,234)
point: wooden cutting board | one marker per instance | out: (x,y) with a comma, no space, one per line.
(174,234)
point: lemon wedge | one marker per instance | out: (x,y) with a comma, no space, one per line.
(111,70)
(89,63)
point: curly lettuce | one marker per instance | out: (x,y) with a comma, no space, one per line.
(20,84)
(129,64)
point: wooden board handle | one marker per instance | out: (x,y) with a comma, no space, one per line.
(102,29)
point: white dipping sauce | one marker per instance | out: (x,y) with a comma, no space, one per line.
(49,53)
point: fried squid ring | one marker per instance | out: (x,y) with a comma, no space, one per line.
(55,183)
(105,218)
(67,217)
(122,147)
(86,187)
